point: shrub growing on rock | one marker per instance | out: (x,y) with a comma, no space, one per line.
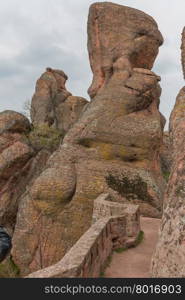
(45,137)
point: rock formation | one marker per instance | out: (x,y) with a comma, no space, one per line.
(20,163)
(52,104)
(169,257)
(25,148)
(112,148)
(120,38)
(166,156)
(183,52)
(15,154)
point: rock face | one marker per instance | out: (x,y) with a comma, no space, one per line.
(166,155)
(112,148)
(183,51)
(15,154)
(169,257)
(25,148)
(19,164)
(120,38)
(52,104)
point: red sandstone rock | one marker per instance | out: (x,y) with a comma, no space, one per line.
(18,164)
(169,257)
(166,155)
(49,85)
(14,155)
(52,104)
(13,122)
(183,51)
(113,147)
(119,37)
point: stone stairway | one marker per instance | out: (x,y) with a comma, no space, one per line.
(135,262)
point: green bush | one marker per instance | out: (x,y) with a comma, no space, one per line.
(166,175)
(105,266)
(45,137)
(120,250)
(138,241)
(8,269)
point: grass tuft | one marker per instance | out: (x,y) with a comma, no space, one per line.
(139,239)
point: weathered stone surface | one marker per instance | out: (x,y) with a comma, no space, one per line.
(49,85)
(24,149)
(183,51)
(112,148)
(13,122)
(14,155)
(87,256)
(19,163)
(166,155)
(52,104)
(120,38)
(105,207)
(169,257)
(116,226)
(69,111)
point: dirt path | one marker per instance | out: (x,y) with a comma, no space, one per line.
(135,262)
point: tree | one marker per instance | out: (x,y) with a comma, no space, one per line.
(27,109)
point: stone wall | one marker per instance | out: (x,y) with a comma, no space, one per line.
(88,257)
(105,207)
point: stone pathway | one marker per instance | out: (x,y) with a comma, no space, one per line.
(135,262)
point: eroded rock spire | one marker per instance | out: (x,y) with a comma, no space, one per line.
(113,147)
(52,105)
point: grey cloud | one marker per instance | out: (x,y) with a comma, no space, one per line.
(41,33)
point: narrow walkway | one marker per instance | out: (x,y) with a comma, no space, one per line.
(135,262)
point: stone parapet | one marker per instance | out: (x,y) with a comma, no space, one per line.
(104,207)
(88,257)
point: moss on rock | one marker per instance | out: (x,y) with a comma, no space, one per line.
(45,137)
(166,175)
(130,187)
(8,269)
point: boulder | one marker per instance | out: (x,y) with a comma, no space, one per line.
(13,122)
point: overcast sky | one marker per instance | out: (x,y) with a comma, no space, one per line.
(52,33)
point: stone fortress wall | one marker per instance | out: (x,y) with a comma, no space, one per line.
(114,225)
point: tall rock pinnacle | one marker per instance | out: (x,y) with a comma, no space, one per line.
(120,38)
(113,147)
(52,104)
